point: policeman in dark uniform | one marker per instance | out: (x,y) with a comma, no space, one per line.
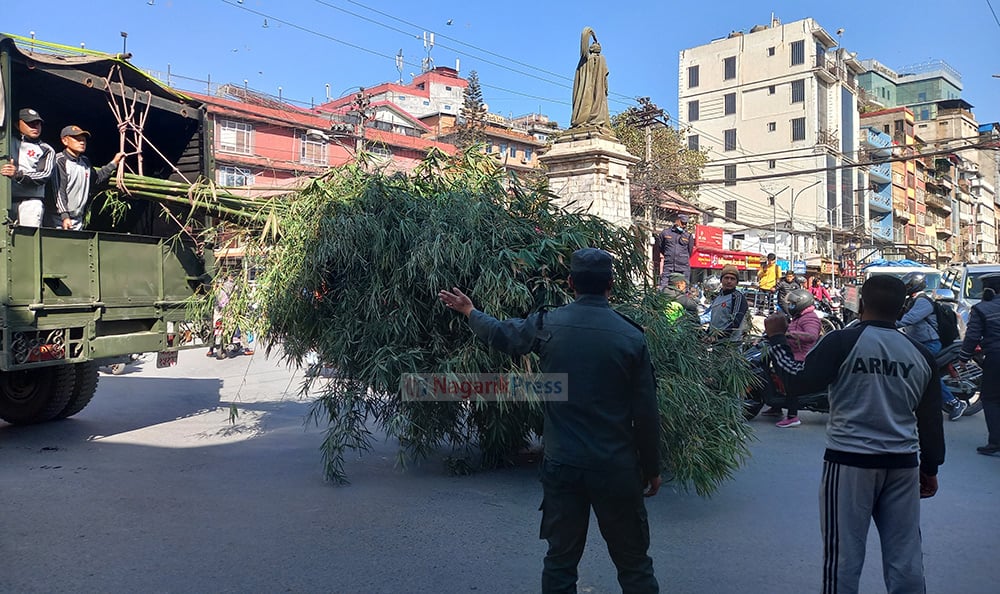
(984,330)
(675,246)
(602,443)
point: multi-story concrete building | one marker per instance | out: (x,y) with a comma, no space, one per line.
(778,99)
(919,87)
(907,217)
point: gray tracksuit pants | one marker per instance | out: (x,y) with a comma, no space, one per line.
(849,499)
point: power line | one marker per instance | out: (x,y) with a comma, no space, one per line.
(371,51)
(477,48)
(981,145)
(994,13)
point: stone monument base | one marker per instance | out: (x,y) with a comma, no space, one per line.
(588,170)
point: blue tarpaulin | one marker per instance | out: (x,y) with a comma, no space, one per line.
(895,263)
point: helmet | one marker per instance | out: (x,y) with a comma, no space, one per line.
(798,300)
(711,284)
(916,282)
(801,280)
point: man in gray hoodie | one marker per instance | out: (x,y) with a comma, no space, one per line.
(76,179)
(29,169)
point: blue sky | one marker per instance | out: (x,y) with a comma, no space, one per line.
(524,52)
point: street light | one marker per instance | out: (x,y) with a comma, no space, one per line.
(829,219)
(791,216)
(774,208)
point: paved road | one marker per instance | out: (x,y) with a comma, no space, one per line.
(151,489)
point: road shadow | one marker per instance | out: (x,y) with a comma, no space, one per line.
(124,404)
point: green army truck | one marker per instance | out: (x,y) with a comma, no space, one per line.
(71,300)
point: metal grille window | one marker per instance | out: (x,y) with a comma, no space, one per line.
(798,52)
(692,111)
(798,129)
(798,91)
(236,137)
(772,126)
(692,77)
(234,176)
(312,151)
(731,209)
(730,175)
(772,163)
(693,143)
(730,67)
(730,100)
(730,139)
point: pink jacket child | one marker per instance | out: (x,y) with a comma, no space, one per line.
(803,332)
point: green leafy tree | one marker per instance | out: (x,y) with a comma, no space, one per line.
(472,130)
(666,163)
(354,276)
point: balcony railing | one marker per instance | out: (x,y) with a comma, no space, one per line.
(879,202)
(879,143)
(932,200)
(881,172)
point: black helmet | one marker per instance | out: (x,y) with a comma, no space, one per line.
(798,300)
(801,280)
(916,282)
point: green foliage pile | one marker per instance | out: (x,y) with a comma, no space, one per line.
(354,275)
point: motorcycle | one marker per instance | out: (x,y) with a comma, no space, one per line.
(828,316)
(767,388)
(964,380)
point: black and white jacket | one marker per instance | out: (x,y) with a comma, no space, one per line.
(885,396)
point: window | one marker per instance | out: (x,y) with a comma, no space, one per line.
(527,153)
(730,175)
(693,142)
(820,55)
(772,163)
(772,126)
(236,137)
(771,90)
(513,152)
(427,102)
(234,176)
(692,111)
(730,103)
(798,129)
(447,108)
(730,67)
(798,91)
(770,51)
(447,88)
(692,77)
(885,128)
(798,52)
(730,139)
(312,151)
(730,209)
(503,149)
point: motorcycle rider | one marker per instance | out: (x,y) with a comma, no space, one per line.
(802,334)
(920,323)
(818,291)
(984,330)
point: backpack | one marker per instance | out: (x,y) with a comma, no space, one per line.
(947,323)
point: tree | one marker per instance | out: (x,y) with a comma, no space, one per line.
(666,163)
(354,278)
(472,129)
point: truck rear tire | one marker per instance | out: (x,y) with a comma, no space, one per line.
(86,376)
(36,395)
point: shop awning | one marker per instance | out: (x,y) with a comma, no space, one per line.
(704,257)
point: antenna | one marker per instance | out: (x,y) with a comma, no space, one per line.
(279,94)
(428,62)
(399,65)
(327,92)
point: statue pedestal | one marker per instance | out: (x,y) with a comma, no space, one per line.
(589,171)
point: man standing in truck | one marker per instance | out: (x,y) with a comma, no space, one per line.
(76,179)
(29,169)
